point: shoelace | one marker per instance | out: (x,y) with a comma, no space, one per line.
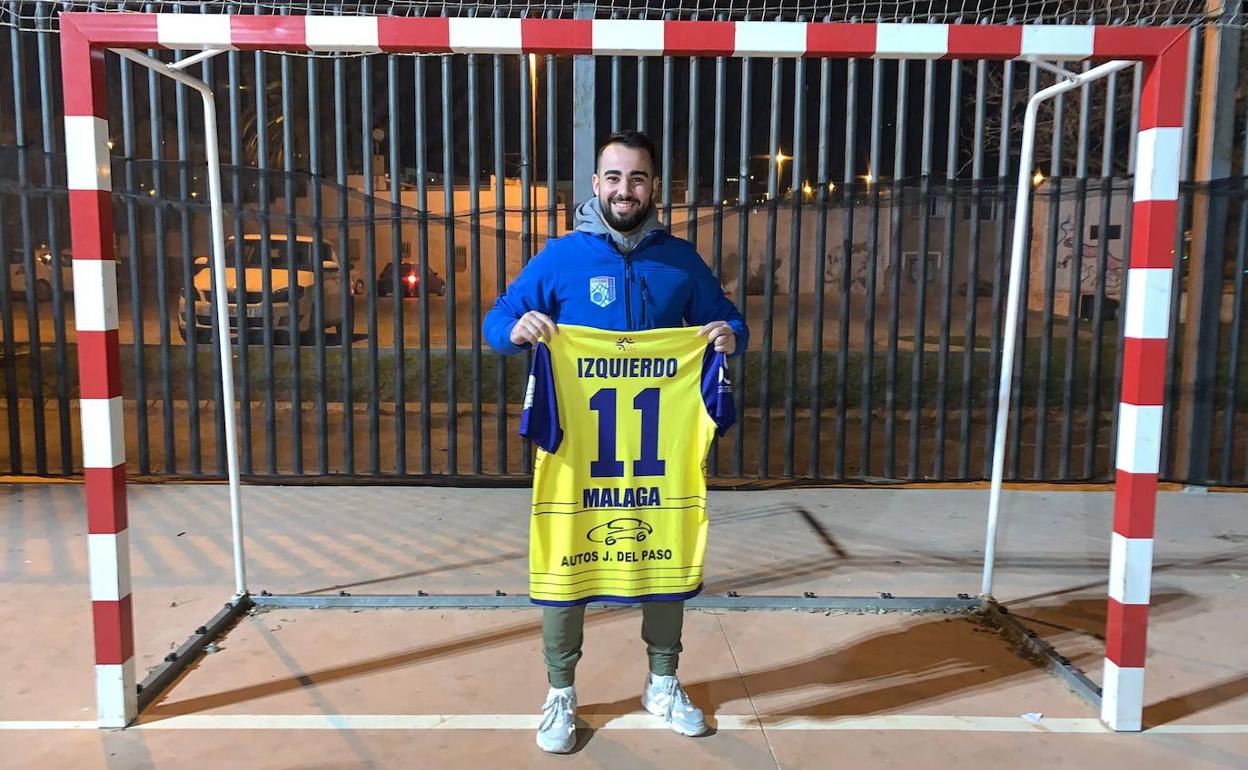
(674,697)
(557,710)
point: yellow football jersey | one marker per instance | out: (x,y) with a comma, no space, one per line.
(623,422)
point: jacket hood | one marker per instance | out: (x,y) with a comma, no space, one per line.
(589,220)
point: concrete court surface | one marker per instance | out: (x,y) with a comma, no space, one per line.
(462,689)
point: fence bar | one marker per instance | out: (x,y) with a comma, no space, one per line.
(10,350)
(848,196)
(10,358)
(1231,398)
(717,203)
(552,152)
(950,256)
(691,167)
(318,270)
(397,274)
(769,273)
(1050,286)
(1016,428)
(129,113)
(616,93)
(448,195)
(237,161)
(666,174)
(157,192)
(1137,87)
(474,253)
(641,93)
(344,252)
(1001,210)
(1076,282)
(370,261)
(796,193)
(422,268)
(873,246)
(1186,195)
(218,384)
(972,278)
(292,273)
(47,110)
(526,199)
(28,253)
(897,203)
(920,310)
(500,258)
(822,181)
(744,207)
(266,278)
(1102,269)
(188,279)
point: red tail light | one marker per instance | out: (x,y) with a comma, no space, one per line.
(411,279)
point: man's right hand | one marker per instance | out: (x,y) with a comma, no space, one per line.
(531,327)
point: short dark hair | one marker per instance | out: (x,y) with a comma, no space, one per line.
(637,140)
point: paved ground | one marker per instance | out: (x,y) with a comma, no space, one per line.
(410,688)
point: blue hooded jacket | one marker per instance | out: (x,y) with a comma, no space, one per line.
(583,278)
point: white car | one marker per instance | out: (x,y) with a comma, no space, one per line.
(291,308)
(19,279)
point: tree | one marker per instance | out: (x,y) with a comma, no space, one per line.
(1070,124)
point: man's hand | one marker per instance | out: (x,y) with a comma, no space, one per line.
(531,327)
(721,335)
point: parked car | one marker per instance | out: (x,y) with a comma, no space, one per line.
(409,279)
(19,279)
(291,306)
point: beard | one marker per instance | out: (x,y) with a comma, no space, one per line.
(624,224)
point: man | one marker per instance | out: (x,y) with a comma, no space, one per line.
(662,283)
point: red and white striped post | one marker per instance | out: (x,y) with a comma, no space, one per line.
(99,365)
(1147,317)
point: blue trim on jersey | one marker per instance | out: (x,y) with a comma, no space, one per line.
(623,599)
(717,391)
(583,279)
(539,422)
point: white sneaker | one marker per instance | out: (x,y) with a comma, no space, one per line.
(557,732)
(666,699)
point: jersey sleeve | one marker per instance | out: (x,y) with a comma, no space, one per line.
(540,420)
(717,391)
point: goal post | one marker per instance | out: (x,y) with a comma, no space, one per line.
(86,36)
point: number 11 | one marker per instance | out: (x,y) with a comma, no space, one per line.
(607,465)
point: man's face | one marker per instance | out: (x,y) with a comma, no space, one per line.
(625,186)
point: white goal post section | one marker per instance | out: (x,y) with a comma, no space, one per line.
(86,36)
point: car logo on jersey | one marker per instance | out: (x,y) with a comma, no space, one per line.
(620,529)
(602,290)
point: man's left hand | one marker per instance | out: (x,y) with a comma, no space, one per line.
(721,335)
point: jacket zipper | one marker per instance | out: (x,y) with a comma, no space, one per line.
(628,290)
(628,283)
(645,293)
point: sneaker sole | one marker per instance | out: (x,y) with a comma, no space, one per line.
(558,750)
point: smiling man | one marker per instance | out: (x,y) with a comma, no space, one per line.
(619,271)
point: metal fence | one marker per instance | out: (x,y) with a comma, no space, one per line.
(856,211)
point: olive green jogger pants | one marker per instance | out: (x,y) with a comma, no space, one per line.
(563,633)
